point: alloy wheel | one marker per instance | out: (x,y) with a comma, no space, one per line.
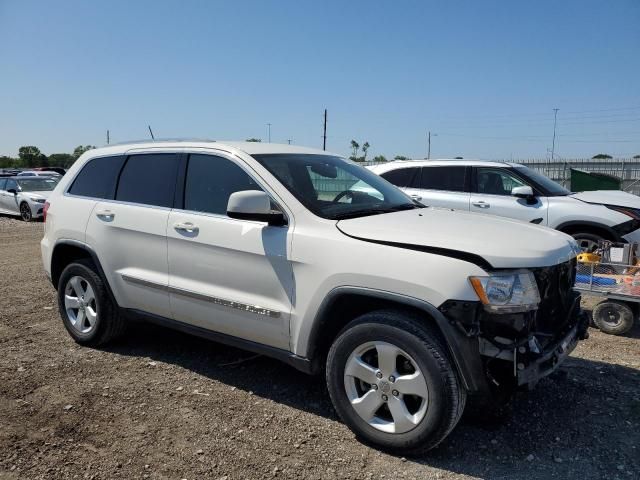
(25,212)
(80,304)
(386,387)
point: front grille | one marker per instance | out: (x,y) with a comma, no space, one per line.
(557,296)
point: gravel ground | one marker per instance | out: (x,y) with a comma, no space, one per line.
(159,404)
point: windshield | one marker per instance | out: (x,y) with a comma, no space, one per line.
(37,184)
(334,188)
(552,188)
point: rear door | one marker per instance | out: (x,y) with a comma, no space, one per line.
(129,232)
(442,186)
(227,275)
(492,194)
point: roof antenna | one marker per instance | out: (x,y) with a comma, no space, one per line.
(151,132)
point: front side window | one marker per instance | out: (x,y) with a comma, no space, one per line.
(400,177)
(97,179)
(493,181)
(333,188)
(11,185)
(37,184)
(211,180)
(3,182)
(148,179)
(450,179)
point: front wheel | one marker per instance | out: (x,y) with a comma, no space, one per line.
(391,381)
(588,242)
(25,212)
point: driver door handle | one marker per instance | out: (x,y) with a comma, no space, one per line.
(481,204)
(416,197)
(185,227)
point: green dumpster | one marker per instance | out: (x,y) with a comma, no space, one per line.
(582,181)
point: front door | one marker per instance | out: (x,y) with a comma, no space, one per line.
(227,275)
(492,194)
(8,201)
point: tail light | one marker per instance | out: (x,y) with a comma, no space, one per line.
(45,210)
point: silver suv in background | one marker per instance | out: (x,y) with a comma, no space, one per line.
(515,191)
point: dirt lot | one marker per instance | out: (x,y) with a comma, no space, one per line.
(159,404)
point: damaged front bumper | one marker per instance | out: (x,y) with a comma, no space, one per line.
(518,350)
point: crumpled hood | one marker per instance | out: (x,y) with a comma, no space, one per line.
(609,197)
(502,242)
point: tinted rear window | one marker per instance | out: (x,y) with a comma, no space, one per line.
(97,179)
(149,179)
(442,178)
(401,177)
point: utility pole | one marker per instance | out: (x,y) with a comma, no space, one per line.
(553,143)
(269,131)
(151,132)
(429,143)
(324,132)
(289,141)
(107,137)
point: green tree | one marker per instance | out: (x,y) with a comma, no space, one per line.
(458,158)
(400,157)
(64,160)
(380,158)
(254,139)
(355,146)
(636,156)
(30,156)
(601,156)
(80,149)
(365,147)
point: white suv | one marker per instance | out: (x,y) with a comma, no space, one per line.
(406,309)
(515,191)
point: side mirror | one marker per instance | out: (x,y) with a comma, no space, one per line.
(12,190)
(522,192)
(253,205)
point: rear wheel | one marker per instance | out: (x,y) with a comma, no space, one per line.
(391,382)
(613,317)
(86,309)
(25,212)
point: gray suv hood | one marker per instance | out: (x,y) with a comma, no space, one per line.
(502,242)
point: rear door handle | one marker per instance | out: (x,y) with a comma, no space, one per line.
(481,204)
(185,227)
(105,215)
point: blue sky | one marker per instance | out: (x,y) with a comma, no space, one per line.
(482,75)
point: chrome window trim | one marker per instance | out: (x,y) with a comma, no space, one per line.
(256,309)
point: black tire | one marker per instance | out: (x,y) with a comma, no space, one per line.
(412,334)
(613,317)
(25,212)
(109,323)
(588,242)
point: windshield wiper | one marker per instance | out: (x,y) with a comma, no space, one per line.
(373,211)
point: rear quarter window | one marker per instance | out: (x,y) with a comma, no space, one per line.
(97,179)
(400,177)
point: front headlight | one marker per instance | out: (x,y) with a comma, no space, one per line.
(507,292)
(38,200)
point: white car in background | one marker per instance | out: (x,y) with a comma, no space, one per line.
(515,191)
(25,196)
